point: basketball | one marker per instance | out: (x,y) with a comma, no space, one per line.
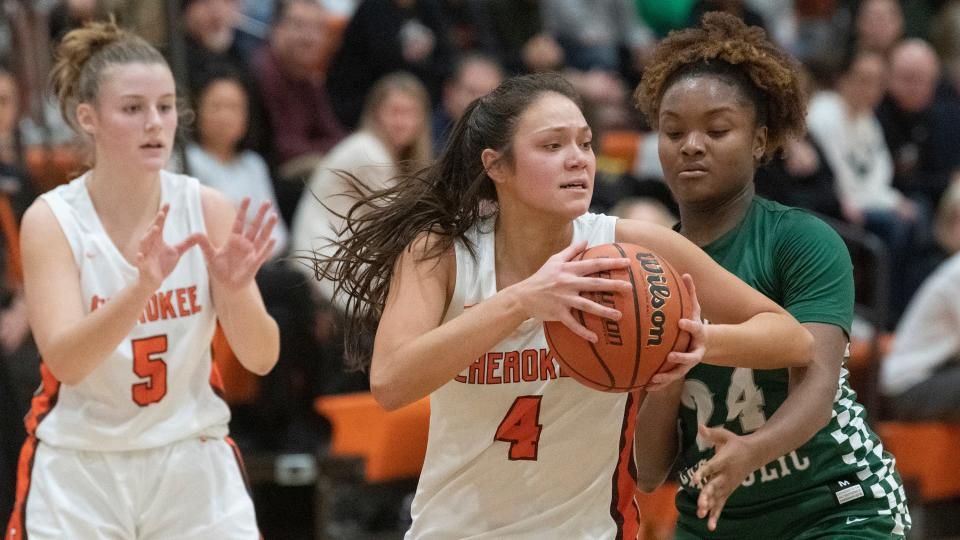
(632,350)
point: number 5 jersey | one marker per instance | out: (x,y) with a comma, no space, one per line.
(157,386)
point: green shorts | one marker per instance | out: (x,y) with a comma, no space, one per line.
(807,515)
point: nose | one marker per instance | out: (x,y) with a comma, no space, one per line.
(153,119)
(577,158)
(692,144)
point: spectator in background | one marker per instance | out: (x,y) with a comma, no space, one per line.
(211,48)
(592,33)
(733,7)
(9,118)
(219,158)
(69,14)
(394,137)
(878,26)
(921,376)
(303,122)
(474,76)
(800,175)
(515,35)
(921,125)
(845,127)
(384,36)
(14,181)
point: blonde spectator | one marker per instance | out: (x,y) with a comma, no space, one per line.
(394,137)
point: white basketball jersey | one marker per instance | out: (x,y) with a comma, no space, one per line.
(156,387)
(518,449)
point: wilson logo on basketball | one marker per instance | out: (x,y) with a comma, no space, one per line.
(659,293)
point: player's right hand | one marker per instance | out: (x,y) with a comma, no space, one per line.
(155,258)
(553,292)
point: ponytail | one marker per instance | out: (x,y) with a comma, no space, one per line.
(83,55)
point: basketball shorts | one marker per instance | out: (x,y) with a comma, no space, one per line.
(193,489)
(811,514)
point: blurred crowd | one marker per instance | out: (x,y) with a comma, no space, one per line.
(278,96)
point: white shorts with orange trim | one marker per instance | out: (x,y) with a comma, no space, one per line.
(190,490)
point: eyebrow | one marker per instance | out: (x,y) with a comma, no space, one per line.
(138,96)
(713,111)
(583,129)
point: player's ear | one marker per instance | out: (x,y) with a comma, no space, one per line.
(759,142)
(86,118)
(493,164)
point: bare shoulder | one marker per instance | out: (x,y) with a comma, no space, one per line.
(218,212)
(427,253)
(39,224)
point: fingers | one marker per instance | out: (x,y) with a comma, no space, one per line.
(204,242)
(265,232)
(592,266)
(571,251)
(192,240)
(596,284)
(589,306)
(254,227)
(241,218)
(571,322)
(692,289)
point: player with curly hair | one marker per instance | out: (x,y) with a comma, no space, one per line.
(783,453)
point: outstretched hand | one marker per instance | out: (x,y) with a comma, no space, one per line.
(553,292)
(684,361)
(730,465)
(155,258)
(234,264)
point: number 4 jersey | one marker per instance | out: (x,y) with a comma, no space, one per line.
(156,387)
(516,448)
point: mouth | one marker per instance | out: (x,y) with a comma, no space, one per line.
(574,185)
(152,146)
(693,172)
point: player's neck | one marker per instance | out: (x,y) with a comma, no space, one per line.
(703,223)
(523,245)
(123,194)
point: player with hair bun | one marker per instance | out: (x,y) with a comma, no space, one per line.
(457,267)
(783,453)
(127,435)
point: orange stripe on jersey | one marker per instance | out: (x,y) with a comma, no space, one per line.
(623,504)
(17,526)
(243,468)
(43,401)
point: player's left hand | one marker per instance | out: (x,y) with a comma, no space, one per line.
(730,465)
(684,361)
(234,264)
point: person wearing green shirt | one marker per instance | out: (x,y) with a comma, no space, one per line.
(783,453)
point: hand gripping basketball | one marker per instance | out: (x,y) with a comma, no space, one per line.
(631,350)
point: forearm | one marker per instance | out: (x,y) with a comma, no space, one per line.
(251,332)
(75,352)
(655,437)
(765,341)
(805,412)
(809,404)
(406,372)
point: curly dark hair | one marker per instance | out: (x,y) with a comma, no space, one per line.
(724,46)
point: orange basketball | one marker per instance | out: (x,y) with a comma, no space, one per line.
(629,351)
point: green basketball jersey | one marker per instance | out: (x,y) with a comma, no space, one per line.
(802,264)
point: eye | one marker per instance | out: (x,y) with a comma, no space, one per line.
(131,108)
(717,133)
(673,135)
(165,108)
(587,145)
(552,146)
